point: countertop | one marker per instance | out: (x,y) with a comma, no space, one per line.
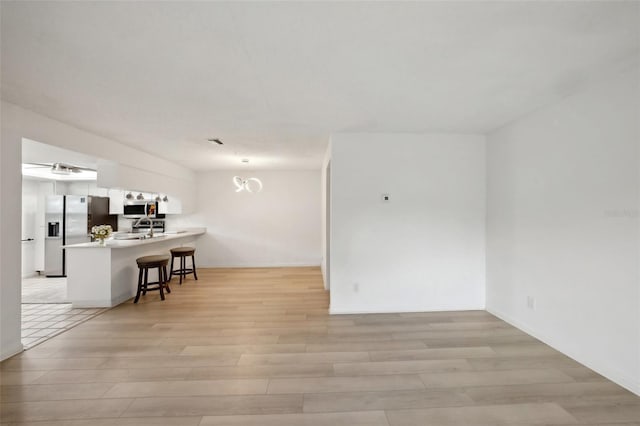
(159,237)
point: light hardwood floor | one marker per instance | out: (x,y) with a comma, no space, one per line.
(257,347)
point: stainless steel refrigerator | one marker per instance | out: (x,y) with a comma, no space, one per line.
(68,220)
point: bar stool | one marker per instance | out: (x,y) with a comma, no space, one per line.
(149,262)
(182,253)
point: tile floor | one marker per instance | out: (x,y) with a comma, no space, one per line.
(45,312)
(43,289)
(42,321)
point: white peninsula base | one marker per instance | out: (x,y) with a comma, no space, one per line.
(105,276)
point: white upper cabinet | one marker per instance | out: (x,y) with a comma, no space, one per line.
(173,206)
(116,201)
(117,198)
(163,207)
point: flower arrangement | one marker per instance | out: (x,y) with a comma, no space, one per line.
(101,232)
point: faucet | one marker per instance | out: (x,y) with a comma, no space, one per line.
(148,219)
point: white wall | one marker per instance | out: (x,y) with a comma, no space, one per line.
(279,226)
(563,226)
(10,230)
(425,249)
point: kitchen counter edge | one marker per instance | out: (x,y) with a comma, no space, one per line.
(114,244)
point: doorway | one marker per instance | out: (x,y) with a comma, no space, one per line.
(46,311)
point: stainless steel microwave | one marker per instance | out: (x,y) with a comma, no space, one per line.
(135,209)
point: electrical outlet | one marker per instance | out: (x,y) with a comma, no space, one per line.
(531,303)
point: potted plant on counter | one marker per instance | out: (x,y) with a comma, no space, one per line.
(101,233)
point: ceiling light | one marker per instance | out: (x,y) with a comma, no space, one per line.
(250,184)
(59,169)
(215,141)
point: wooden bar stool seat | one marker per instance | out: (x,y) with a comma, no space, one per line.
(182,271)
(150,262)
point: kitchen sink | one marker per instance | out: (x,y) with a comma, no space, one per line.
(134,236)
(128,236)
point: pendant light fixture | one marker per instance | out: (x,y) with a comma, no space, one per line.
(249,184)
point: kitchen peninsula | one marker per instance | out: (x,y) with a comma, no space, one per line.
(105,276)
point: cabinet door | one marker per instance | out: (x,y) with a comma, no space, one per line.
(163,207)
(116,201)
(174,206)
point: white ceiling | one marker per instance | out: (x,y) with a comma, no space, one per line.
(274,80)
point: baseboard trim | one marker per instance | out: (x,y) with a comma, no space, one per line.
(31,275)
(94,303)
(121,299)
(253,265)
(85,304)
(14,350)
(333,311)
(630,383)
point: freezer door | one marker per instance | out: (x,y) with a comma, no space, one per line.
(53,256)
(76,220)
(54,205)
